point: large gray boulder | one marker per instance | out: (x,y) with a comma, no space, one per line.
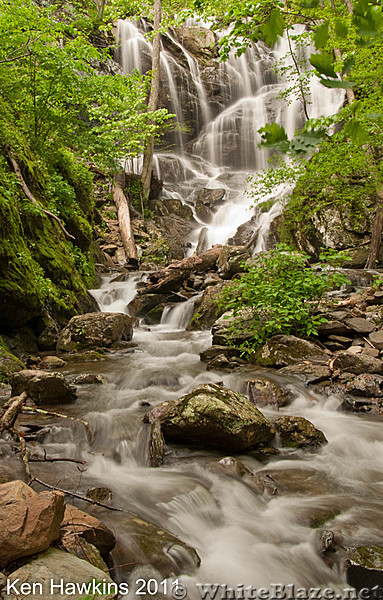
(55,567)
(95,330)
(357,363)
(212,416)
(283,350)
(43,387)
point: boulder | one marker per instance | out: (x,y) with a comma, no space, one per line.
(84,550)
(76,521)
(333,327)
(94,330)
(221,329)
(29,523)
(55,566)
(231,260)
(360,325)
(367,384)
(296,481)
(42,387)
(283,350)
(143,543)
(207,310)
(143,303)
(201,42)
(156,445)
(89,379)
(376,338)
(212,416)
(213,351)
(308,373)
(364,567)
(207,201)
(8,364)
(357,363)
(51,362)
(298,432)
(264,392)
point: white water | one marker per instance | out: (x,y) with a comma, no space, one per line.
(226,149)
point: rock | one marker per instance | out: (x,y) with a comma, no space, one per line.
(296,481)
(213,351)
(355,350)
(221,329)
(231,260)
(207,201)
(201,42)
(230,466)
(376,338)
(143,303)
(94,330)
(212,416)
(89,379)
(143,543)
(82,549)
(90,528)
(297,432)
(27,525)
(374,352)
(357,363)
(264,392)
(333,327)
(364,567)
(360,325)
(156,445)
(308,373)
(366,384)
(42,387)
(219,362)
(326,540)
(283,350)
(378,297)
(8,364)
(207,310)
(175,231)
(51,362)
(53,566)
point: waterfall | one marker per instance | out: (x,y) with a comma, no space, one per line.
(223,105)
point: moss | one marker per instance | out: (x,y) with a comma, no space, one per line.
(8,363)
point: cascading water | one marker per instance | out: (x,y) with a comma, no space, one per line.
(224,105)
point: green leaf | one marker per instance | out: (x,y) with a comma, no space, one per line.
(337,83)
(274,28)
(356,132)
(341,28)
(321,36)
(348,64)
(274,135)
(323,63)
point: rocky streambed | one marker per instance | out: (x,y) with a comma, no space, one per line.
(239,474)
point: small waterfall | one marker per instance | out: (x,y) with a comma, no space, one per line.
(223,105)
(180,315)
(117,291)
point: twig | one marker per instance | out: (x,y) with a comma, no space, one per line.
(49,413)
(30,196)
(54,459)
(369,342)
(24,454)
(75,495)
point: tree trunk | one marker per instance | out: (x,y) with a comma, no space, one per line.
(124,220)
(377,230)
(147,164)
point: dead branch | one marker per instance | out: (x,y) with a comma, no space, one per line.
(11,411)
(75,495)
(24,454)
(124,219)
(46,458)
(29,194)
(49,413)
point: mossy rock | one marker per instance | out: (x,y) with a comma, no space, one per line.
(9,364)
(298,432)
(213,416)
(283,350)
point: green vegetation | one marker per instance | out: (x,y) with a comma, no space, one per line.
(279,294)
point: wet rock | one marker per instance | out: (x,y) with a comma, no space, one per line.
(51,362)
(143,303)
(56,565)
(175,231)
(304,482)
(207,201)
(298,432)
(100,494)
(212,416)
(357,363)
(264,392)
(143,543)
(326,540)
(94,330)
(219,362)
(76,521)
(213,351)
(29,523)
(230,466)
(308,373)
(89,379)
(171,206)
(207,310)
(82,549)
(42,387)
(364,567)
(223,331)
(231,260)
(367,384)
(376,338)
(156,445)
(8,364)
(283,350)
(360,325)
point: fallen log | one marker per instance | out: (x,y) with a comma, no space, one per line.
(172,277)
(124,220)
(11,410)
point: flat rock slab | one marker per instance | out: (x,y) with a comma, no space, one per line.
(284,350)
(308,373)
(212,416)
(43,387)
(376,338)
(360,325)
(57,567)
(357,363)
(28,525)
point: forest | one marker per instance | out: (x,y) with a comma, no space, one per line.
(191,299)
